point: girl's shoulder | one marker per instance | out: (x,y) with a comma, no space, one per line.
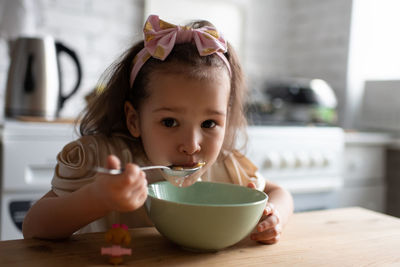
(103,140)
(121,145)
(237,164)
(236,168)
(77,160)
(91,151)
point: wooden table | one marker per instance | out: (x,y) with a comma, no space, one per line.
(338,237)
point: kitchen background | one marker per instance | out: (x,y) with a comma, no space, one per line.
(350,44)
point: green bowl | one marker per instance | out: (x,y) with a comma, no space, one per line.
(204,216)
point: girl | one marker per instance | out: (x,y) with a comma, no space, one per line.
(174,99)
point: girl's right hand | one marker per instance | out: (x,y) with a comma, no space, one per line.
(123,192)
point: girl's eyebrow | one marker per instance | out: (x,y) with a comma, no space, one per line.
(208,111)
(216,112)
(168,109)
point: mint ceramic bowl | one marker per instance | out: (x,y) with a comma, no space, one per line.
(204,216)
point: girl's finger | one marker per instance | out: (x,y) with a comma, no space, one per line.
(269,234)
(270,241)
(133,177)
(133,170)
(268,210)
(251,185)
(268,223)
(113,162)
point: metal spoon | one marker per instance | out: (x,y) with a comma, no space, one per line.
(166,169)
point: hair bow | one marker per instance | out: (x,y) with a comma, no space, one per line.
(160,38)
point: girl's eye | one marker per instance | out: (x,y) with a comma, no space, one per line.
(169,122)
(208,124)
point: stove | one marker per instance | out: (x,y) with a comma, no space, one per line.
(305,160)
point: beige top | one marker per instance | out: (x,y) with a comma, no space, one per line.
(76,161)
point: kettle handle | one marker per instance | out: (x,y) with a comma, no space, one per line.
(62,48)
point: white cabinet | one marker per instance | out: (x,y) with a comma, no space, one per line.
(364,170)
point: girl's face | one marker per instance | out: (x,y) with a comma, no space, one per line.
(183,121)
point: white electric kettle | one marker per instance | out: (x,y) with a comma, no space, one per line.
(34,85)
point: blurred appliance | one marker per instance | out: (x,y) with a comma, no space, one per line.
(298,101)
(380,107)
(307,161)
(34,86)
(28,158)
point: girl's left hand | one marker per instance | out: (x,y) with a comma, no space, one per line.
(269,228)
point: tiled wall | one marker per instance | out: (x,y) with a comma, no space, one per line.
(319,35)
(303,38)
(266,39)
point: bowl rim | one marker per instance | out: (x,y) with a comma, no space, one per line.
(265,197)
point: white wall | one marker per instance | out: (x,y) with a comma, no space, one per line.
(374,55)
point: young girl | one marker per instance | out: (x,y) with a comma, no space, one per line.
(173,99)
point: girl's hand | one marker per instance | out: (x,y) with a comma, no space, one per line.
(123,192)
(269,229)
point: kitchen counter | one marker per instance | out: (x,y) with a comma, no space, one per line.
(337,237)
(368,138)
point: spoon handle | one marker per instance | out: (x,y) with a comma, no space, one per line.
(109,171)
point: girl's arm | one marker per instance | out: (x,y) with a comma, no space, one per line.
(56,217)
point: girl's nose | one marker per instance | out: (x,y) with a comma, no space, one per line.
(190,144)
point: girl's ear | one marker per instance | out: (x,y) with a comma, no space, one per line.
(132,119)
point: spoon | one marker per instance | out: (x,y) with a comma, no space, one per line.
(171,171)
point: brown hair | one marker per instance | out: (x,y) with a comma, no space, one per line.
(105,114)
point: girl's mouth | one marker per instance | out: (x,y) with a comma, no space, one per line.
(188,165)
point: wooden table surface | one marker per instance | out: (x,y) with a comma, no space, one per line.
(337,237)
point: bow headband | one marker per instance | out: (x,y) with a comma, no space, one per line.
(160,38)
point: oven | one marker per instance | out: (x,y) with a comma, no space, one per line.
(28,158)
(305,160)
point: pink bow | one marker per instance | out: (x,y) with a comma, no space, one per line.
(161,37)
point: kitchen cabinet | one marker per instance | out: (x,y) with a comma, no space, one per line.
(364,170)
(393,179)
